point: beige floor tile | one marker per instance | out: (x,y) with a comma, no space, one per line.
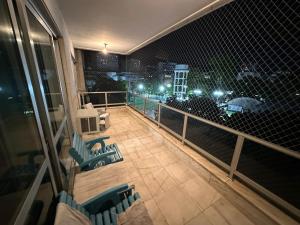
(164,179)
(215,217)
(141,188)
(223,212)
(180,172)
(155,148)
(149,162)
(146,140)
(155,213)
(166,158)
(176,206)
(144,153)
(201,192)
(130,149)
(152,184)
(200,219)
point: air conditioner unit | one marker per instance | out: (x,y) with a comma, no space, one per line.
(88,121)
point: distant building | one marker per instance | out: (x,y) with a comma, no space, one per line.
(166,72)
(248,71)
(180,80)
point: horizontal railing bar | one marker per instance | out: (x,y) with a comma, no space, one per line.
(268,193)
(103,92)
(120,103)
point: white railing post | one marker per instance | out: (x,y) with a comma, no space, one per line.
(159,112)
(236,155)
(144,109)
(105,100)
(184,128)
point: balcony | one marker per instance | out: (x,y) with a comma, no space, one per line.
(203,99)
(180,183)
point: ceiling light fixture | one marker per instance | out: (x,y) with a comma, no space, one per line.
(105,49)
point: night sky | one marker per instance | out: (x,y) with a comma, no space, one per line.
(261,33)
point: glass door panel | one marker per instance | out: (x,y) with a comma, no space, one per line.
(21,153)
(47,67)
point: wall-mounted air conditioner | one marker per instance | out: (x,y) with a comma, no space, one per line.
(88,121)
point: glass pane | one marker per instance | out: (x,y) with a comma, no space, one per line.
(215,141)
(151,109)
(66,162)
(20,148)
(42,211)
(171,119)
(47,67)
(138,103)
(273,170)
(130,100)
(95,99)
(116,98)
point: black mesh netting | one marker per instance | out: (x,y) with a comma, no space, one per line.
(243,64)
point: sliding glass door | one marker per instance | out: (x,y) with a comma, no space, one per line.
(21,149)
(42,43)
(33,118)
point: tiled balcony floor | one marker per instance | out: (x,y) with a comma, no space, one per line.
(171,188)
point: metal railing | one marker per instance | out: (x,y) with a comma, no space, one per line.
(187,127)
(228,148)
(103,99)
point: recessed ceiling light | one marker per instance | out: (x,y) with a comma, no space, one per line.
(105,49)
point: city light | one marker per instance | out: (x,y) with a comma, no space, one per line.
(169,85)
(218,93)
(197,92)
(161,88)
(140,87)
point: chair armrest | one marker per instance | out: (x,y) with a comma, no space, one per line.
(96,159)
(90,144)
(106,199)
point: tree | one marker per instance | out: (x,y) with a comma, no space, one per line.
(223,70)
(107,84)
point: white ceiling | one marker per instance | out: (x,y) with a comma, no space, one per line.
(125,24)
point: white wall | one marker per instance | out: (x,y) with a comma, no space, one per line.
(67,51)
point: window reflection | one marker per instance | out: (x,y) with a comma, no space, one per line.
(66,162)
(48,72)
(42,209)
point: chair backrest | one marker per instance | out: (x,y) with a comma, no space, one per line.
(67,199)
(79,151)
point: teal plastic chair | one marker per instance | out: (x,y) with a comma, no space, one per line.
(87,159)
(104,208)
